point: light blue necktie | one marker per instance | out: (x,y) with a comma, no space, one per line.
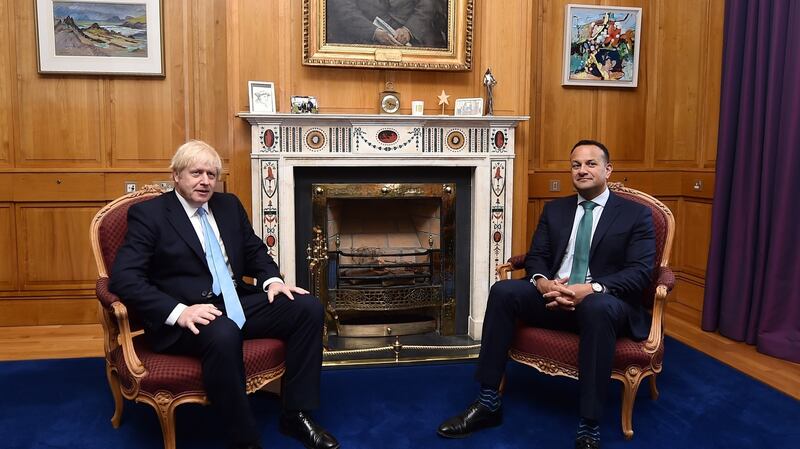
(580,258)
(219,273)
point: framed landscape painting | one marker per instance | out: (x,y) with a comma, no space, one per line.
(601,45)
(422,35)
(112,37)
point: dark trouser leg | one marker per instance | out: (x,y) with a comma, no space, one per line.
(510,301)
(219,347)
(601,319)
(298,323)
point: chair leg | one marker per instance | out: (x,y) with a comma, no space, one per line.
(165,408)
(653,388)
(630,385)
(116,392)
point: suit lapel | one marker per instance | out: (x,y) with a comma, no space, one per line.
(177,217)
(566,217)
(606,220)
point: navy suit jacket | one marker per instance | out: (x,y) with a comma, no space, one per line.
(622,254)
(162,263)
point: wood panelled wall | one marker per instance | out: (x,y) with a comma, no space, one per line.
(662,134)
(68,143)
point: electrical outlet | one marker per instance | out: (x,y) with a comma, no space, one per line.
(698,185)
(130,187)
(555,185)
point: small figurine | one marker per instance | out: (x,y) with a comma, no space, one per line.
(489,82)
(443,100)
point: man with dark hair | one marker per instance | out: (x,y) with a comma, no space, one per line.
(591,258)
(180,271)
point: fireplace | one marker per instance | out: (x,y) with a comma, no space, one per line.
(390,249)
(356,207)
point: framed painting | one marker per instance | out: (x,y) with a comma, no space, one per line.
(601,45)
(102,37)
(405,34)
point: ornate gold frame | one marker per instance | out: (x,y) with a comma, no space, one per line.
(457,56)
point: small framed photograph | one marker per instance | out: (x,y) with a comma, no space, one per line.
(100,37)
(601,46)
(417,107)
(469,107)
(262,97)
(304,105)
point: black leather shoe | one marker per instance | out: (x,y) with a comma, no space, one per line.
(475,417)
(586,442)
(300,426)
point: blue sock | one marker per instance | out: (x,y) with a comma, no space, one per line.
(489,398)
(589,428)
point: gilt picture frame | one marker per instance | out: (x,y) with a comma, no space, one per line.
(100,37)
(602,45)
(430,35)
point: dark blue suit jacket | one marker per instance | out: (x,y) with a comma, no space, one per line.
(162,262)
(622,255)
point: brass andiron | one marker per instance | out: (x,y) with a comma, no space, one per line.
(317,257)
(316,253)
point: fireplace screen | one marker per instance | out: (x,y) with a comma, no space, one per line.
(382,258)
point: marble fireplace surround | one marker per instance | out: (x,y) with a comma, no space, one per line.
(282,142)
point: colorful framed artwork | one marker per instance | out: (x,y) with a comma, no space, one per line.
(601,45)
(100,37)
(417,35)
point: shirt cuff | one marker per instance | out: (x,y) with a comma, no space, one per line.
(537,276)
(271,281)
(176,312)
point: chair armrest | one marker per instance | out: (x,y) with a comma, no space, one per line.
(665,277)
(665,282)
(514,263)
(117,327)
(104,294)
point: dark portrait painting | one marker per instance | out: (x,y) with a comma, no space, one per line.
(388,23)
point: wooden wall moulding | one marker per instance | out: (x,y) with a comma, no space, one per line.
(430,35)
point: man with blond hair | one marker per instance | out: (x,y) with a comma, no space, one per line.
(180,270)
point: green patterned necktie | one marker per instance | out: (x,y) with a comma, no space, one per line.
(580,258)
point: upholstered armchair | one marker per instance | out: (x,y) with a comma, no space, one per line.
(556,352)
(133,370)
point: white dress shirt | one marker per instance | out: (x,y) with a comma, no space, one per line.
(194,218)
(566,264)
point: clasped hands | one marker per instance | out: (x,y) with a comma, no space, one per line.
(559,295)
(206,313)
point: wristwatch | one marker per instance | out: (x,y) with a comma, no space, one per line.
(597,287)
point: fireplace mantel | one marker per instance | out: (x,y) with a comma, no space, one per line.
(282,142)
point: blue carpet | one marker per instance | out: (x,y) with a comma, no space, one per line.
(703,404)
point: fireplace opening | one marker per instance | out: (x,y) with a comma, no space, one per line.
(389,257)
(386,240)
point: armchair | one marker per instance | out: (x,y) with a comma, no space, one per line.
(555,352)
(133,370)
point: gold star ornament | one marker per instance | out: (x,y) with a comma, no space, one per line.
(443,100)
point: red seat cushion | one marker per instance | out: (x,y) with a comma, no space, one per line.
(180,375)
(562,348)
